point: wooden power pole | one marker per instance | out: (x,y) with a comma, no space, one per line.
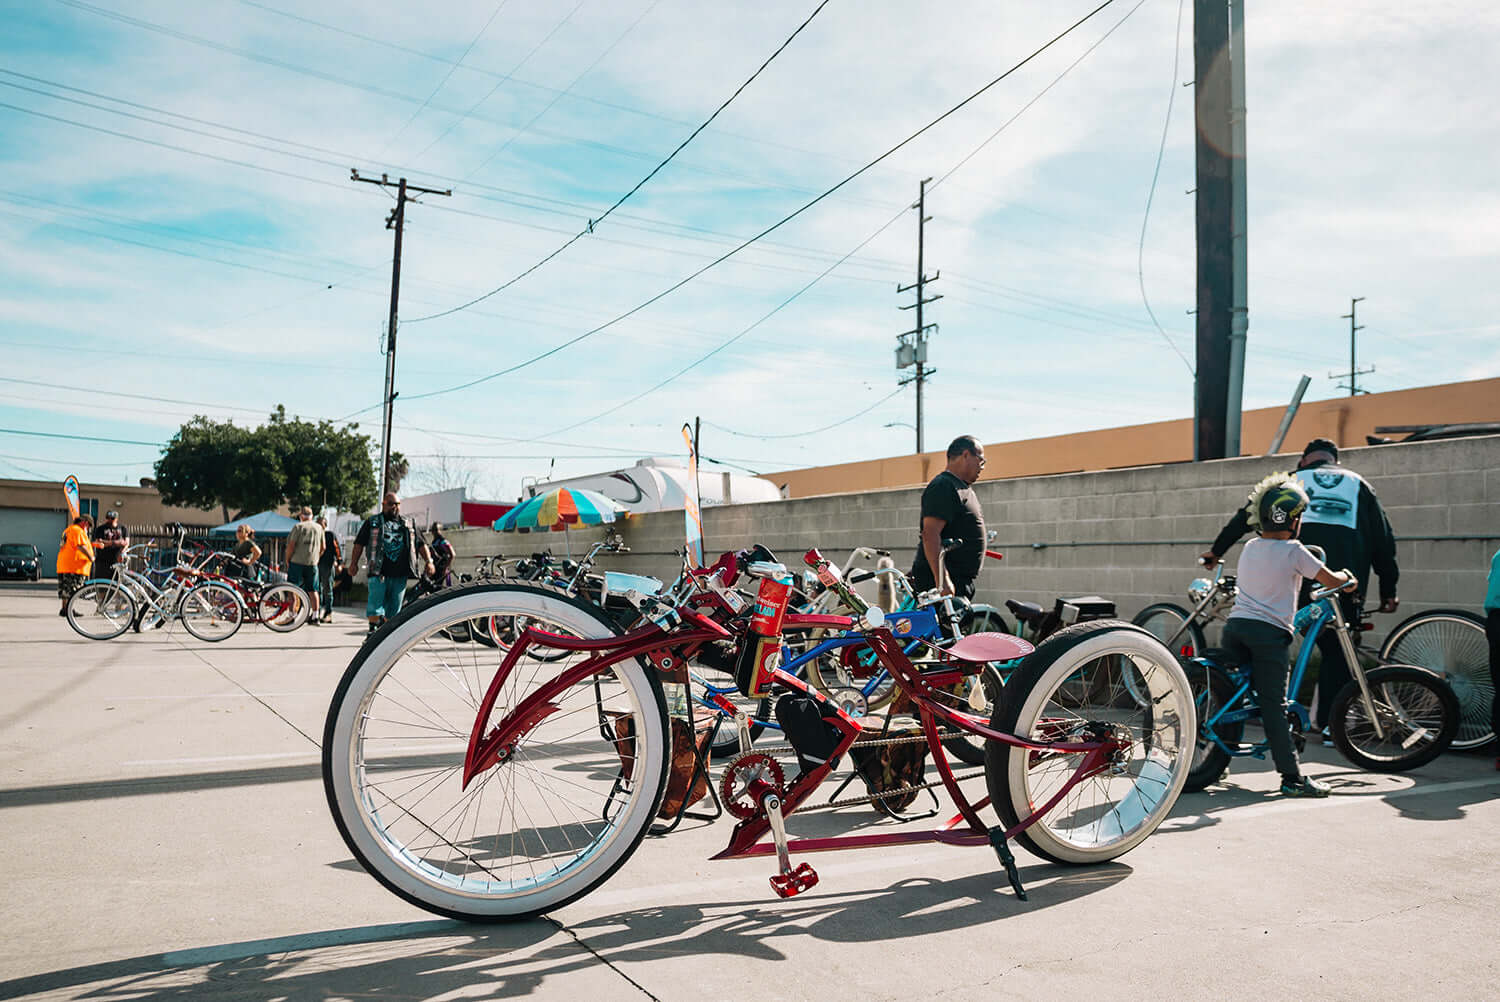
(395,221)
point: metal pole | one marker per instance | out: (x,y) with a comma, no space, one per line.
(1214,225)
(1239,317)
(1286,419)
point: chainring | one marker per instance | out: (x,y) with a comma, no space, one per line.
(748,777)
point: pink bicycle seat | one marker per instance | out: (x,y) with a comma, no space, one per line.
(990,647)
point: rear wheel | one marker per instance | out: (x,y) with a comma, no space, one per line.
(1452,643)
(1418,716)
(568,806)
(1115,809)
(211,611)
(101,610)
(283,607)
(1212,692)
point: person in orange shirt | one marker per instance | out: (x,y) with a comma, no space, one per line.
(75,559)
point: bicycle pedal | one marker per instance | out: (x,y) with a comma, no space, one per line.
(794,881)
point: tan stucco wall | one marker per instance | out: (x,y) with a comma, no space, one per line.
(1345,420)
(138,506)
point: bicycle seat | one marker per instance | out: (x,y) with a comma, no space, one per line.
(981,647)
(1026,612)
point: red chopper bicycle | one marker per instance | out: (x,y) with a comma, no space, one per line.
(491,784)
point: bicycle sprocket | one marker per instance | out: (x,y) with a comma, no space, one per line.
(748,777)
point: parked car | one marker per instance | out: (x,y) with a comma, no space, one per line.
(1432,432)
(20,560)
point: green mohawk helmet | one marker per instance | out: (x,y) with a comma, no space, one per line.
(1276,502)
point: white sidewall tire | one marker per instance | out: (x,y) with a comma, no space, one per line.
(1118,638)
(385,649)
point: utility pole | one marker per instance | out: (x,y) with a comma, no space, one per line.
(1223,311)
(911,346)
(1354,371)
(395,221)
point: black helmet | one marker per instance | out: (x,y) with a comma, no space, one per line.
(1281,505)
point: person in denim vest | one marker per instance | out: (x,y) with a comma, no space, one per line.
(397,553)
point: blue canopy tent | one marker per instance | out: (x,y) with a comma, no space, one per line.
(267,523)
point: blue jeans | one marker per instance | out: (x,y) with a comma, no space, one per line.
(325,585)
(385,597)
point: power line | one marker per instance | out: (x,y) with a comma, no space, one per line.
(773,227)
(642,182)
(814,431)
(890,222)
(502,81)
(443,82)
(78,438)
(1140,254)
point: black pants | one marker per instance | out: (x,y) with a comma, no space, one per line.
(1492,631)
(1264,646)
(1333,673)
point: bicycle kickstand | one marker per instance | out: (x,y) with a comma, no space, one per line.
(789,881)
(1007,859)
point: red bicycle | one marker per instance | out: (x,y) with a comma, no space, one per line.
(490,784)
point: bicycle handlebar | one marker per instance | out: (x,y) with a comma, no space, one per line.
(1321,593)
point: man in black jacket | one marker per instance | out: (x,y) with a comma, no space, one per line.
(1346,520)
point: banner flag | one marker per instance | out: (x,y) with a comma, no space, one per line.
(70,491)
(692,515)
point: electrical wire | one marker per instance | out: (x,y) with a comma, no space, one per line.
(789,300)
(443,82)
(566,91)
(79,438)
(1140,256)
(642,182)
(814,431)
(501,82)
(773,227)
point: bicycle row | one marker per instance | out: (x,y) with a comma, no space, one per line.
(200,592)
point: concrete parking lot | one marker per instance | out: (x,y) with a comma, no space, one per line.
(165,836)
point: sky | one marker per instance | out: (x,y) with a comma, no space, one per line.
(180,233)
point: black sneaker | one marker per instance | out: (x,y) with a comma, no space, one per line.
(1304,787)
(372,629)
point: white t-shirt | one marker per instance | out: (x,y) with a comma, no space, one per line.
(1269,575)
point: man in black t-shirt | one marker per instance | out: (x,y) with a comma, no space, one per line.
(110,540)
(951,511)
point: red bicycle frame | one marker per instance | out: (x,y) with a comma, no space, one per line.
(491,746)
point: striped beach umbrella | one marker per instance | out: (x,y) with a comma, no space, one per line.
(557,509)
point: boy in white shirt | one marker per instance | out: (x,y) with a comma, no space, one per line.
(1259,630)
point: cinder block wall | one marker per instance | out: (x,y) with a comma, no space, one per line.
(1130,535)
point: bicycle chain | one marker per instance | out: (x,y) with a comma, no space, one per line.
(871,798)
(872,743)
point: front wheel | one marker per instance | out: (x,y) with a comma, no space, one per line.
(1114,810)
(211,611)
(283,607)
(1452,643)
(1174,626)
(565,809)
(101,610)
(1418,716)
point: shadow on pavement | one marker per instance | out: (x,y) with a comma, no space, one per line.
(430,959)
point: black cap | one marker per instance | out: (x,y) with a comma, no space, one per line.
(1321,445)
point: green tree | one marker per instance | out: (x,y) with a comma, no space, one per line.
(287,461)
